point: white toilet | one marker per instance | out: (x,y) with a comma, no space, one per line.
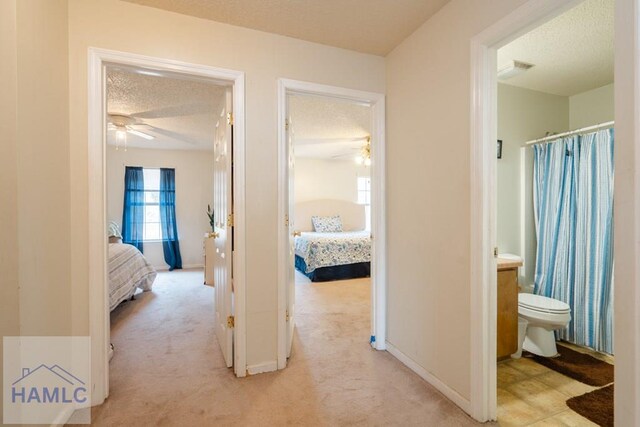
(544,315)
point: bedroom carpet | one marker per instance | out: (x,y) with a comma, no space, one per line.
(168,369)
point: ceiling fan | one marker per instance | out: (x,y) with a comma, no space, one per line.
(345,147)
(347,154)
(129,123)
(123,123)
(364,157)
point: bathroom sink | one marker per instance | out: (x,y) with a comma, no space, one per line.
(510,257)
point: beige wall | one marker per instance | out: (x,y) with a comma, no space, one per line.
(523,115)
(44,225)
(194,190)
(428,104)
(9,283)
(327,179)
(592,107)
(264,58)
(34,172)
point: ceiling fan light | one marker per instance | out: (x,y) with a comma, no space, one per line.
(121,137)
(367,162)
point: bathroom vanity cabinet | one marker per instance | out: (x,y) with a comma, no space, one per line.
(507,307)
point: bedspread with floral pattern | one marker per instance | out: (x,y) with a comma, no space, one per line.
(330,249)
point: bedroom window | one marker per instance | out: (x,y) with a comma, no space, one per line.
(364,197)
(152,230)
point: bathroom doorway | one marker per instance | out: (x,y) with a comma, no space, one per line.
(554,186)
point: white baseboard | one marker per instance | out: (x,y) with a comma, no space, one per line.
(450,393)
(262,367)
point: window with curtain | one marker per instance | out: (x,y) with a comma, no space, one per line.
(133,207)
(141,218)
(152,230)
(168,221)
(364,197)
(149,211)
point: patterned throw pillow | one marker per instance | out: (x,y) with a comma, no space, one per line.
(327,224)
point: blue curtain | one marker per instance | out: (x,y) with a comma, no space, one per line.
(573,203)
(169,226)
(133,207)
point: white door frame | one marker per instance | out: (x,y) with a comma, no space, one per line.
(98,293)
(483,201)
(378,226)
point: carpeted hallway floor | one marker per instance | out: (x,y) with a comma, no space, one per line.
(168,370)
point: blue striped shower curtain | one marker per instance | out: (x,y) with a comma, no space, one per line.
(573,204)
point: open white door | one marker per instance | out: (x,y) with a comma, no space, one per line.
(223,211)
(291,275)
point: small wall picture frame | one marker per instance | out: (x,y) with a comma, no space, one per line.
(499,148)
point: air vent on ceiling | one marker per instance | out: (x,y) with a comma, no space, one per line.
(513,69)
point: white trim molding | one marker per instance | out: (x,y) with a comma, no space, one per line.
(627,213)
(99,310)
(483,275)
(450,393)
(378,266)
(261,368)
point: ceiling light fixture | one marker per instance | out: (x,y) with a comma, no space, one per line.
(513,69)
(121,137)
(364,158)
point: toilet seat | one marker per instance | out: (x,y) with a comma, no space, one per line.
(545,315)
(542,304)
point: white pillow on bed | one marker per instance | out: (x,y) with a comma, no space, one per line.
(327,224)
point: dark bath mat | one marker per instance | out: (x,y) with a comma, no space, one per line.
(596,406)
(579,366)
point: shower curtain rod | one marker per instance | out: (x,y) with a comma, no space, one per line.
(573,132)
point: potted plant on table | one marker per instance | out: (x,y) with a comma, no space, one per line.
(211,219)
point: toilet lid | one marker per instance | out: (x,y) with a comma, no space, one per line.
(541,303)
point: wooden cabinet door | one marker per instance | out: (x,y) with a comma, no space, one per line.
(507,312)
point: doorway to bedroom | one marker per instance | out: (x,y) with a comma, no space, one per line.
(169,194)
(331,194)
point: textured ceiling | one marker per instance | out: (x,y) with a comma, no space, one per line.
(328,128)
(369,26)
(180,113)
(572,53)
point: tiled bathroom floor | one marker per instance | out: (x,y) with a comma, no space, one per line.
(530,394)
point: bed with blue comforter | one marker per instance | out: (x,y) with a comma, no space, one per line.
(333,256)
